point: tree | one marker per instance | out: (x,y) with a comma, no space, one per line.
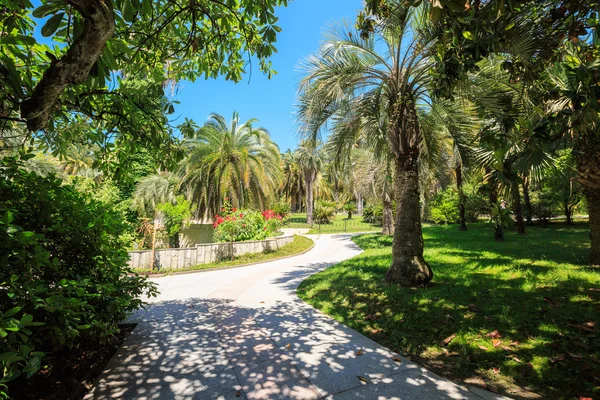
(310,158)
(292,186)
(234,160)
(175,214)
(153,190)
(135,47)
(351,69)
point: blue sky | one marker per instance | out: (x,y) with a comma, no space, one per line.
(270,101)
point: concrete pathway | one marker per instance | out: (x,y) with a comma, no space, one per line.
(244,334)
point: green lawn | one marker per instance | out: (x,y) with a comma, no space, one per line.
(299,245)
(340,224)
(534,290)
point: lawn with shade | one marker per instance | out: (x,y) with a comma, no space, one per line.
(517,317)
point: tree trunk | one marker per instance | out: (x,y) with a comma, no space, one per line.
(587,156)
(593,202)
(359,204)
(388,215)
(74,67)
(408,268)
(309,200)
(498,231)
(528,207)
(517,209)
(293,203)
(568,213)
(461,198)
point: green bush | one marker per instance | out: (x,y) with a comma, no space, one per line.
(373,214)
(242,225)
(324,212)
(443,207)
(282,208)
(349,207)
(63,270)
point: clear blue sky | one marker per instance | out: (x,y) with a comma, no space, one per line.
(270,101)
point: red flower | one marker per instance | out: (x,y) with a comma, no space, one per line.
(234,209)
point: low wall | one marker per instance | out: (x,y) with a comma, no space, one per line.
(203,253)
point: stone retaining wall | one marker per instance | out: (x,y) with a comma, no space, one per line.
(203,253)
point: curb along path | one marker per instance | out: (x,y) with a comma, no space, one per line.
(243,333)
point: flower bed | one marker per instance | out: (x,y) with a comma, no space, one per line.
(234,225)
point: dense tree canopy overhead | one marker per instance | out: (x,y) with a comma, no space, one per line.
(99,48)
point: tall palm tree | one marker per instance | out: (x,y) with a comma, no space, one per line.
(390,68)
(234,160)
(292,185)
(153,190)
(310,158)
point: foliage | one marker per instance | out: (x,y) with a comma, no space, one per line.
(175,216)
(235,160)
(64,269)
(349,207)
(480,286)
(324,212)
(500,217)
(77,75)
(442,208)
(373,214)
(282,208)
(235,225)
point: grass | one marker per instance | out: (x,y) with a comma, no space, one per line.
(299,245)
(340,224)
(534,290)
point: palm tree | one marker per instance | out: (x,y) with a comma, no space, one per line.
(389,68)
(234,160)
(310,158)
(153,190)
(292,186)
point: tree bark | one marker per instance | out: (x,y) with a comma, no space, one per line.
(587,156)
(359,204)
(518,209)
(461,198)
(408,268)
(593,203)
(528,207)
(74,67)
(568,213)
(388,215)
(498,231)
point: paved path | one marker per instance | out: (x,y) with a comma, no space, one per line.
(243,333)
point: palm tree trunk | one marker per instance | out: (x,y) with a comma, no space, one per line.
(528,207)
(587,156)
(461,198)
(408,268)
(498,231)
(309,200)
(359,204)
(388,215)
(293,205)
(518,209)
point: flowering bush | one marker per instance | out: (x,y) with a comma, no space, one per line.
(241,225)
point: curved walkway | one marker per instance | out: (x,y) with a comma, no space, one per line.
(243,333)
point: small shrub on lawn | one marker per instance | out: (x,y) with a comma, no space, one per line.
(324,212)
(63,270)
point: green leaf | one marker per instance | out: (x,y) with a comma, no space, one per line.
(10,357)
(18,39)
(52,24)
(12,312)
(26,319)
(45,9)
(84,327)
(468,35)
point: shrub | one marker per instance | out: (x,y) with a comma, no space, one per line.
(349,208)
(64,277)
(324,212)
(175,215)
(443,207)
(242,225)
(282,208)
(373,214)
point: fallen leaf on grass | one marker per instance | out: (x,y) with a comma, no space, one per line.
(450,354)
(447,340)
(514,343)
(513,357)
(397,359)
(507,348)
(496,370)
(558,358)
(496,343)
(494,335)
(362,379)
(359,352)
(482,347)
